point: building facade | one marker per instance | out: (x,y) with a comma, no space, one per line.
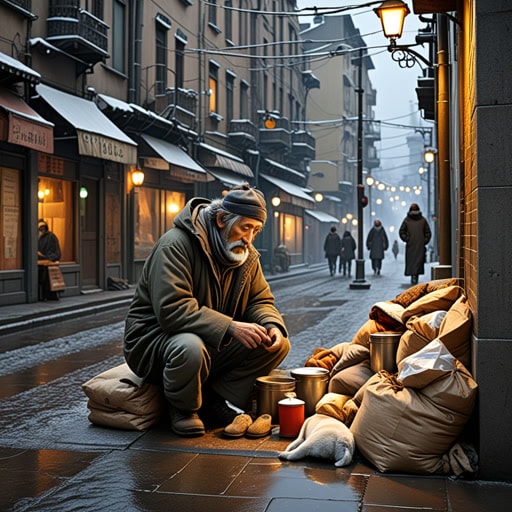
(190,97)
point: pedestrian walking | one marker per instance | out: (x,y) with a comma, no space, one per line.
(377,243)
(202,323)
(416,234)
(395,249)
(348,253)
(332,248)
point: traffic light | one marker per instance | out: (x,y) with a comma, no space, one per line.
(363,200)
(426,94)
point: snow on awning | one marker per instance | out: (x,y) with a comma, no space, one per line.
(98,136)
(17,71)
(181,164)
(224,160)
(294,194)
(322,216)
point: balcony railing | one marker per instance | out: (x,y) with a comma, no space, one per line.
(242,134)
(303,145)
(178,105)
(77,31)
(277,139)
(372,130)
(22,6)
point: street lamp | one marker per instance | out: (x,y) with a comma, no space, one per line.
(392,14)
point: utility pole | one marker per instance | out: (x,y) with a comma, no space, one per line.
(359,282)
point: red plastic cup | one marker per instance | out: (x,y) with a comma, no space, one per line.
(291,416)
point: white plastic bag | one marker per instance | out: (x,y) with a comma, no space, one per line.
(425,366)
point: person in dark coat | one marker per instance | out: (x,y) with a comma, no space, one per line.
(202,323)
(48,250)
(332,248)
(48,247)
(395,249)
(377,243)
(348,253)
(416,234)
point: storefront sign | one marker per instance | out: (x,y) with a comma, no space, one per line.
(92,144)
(29,134)
(156,163)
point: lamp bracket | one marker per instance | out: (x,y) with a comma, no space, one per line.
(406,57)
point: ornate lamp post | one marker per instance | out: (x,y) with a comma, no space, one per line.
(392,14)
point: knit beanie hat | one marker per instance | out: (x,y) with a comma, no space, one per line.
(246,201)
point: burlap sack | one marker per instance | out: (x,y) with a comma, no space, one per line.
(455,330)
(441,299)
(331,404)
(420,331)
(119,399)
(400,429)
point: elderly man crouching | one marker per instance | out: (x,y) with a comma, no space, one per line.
(202,322)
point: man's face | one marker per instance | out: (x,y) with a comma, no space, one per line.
(240,236)
(41,229)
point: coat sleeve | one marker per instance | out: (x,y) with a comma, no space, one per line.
(427,232)
(403,232)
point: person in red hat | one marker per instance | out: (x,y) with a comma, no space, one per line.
(202,323)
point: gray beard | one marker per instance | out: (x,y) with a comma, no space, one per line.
(235,257)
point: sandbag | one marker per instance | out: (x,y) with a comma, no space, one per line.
(401,429)
(119,399)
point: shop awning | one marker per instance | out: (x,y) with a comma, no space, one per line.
(20,124)
(322,216)
(294,194)
(97,135)
(15,71)
(229,179)
(217,159)
(179,163)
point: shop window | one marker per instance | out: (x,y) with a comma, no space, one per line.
(155,211)
(10,216)
(290,235)
(55,206)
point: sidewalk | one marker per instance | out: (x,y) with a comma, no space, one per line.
(52,459)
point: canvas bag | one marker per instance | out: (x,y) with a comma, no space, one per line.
(421,330)
(119,399)
(402,429)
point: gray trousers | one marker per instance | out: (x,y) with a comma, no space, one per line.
(188,364)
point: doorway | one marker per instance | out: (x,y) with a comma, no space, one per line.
(89,215)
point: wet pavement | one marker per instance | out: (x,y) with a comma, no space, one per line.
(53,459)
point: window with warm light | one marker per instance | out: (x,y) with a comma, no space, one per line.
(213,82)
(56,205)
(154,213)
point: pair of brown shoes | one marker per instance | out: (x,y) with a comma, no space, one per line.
(243,425)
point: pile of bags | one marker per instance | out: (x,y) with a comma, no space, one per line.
(409,421)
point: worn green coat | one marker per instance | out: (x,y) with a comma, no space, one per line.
(181,289)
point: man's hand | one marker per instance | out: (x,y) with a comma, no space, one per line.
(276,338)
(251,335)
